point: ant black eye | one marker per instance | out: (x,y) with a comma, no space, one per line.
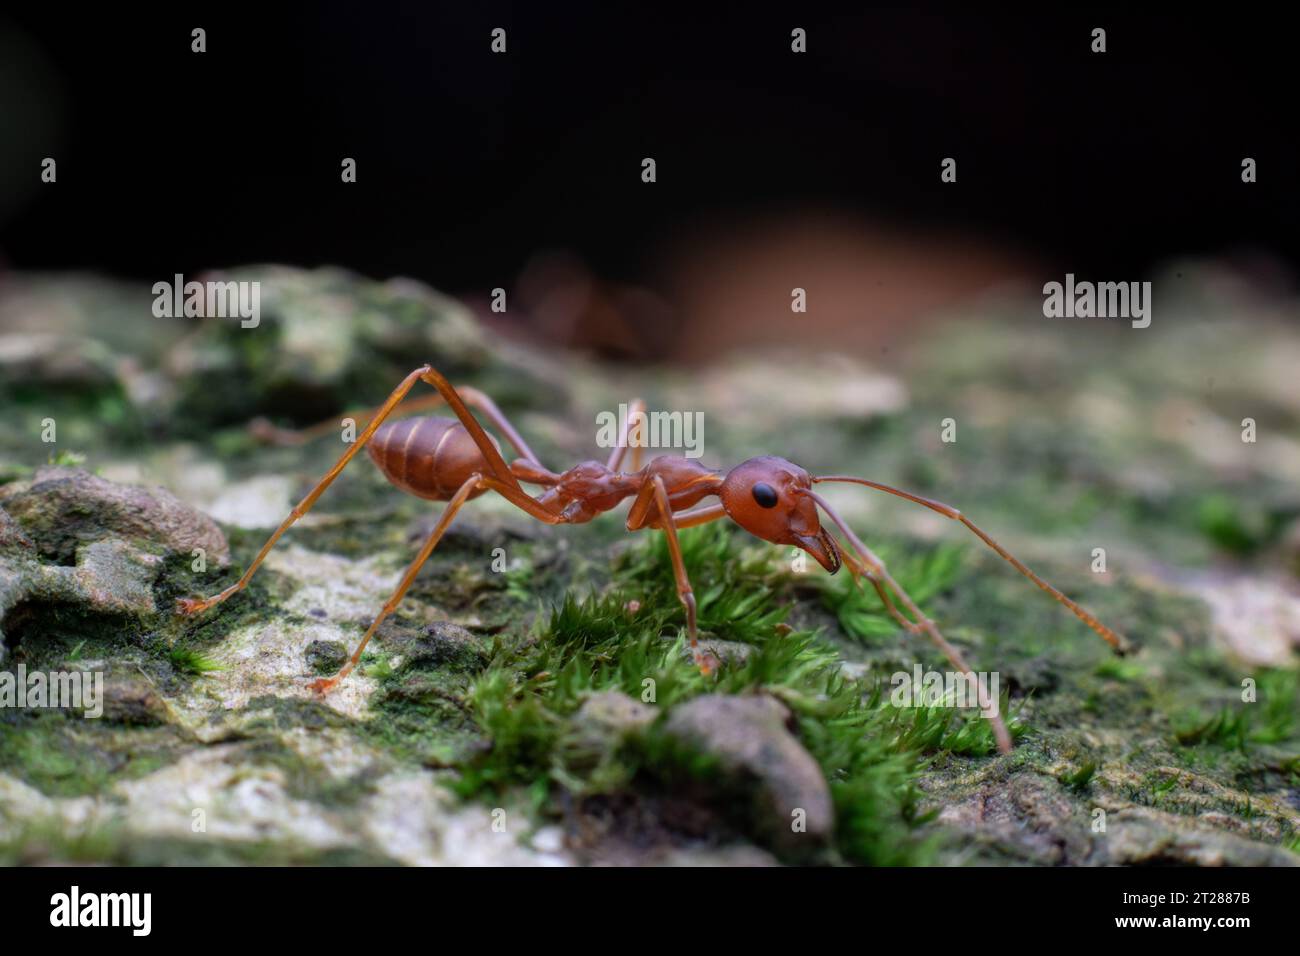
(765,495)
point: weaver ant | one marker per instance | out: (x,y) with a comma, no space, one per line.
(455,460)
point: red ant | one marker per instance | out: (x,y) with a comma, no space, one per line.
(454,460)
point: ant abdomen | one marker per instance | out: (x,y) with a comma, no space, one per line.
(427,457)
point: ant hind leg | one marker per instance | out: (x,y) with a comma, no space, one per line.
(448,514)
(197,605)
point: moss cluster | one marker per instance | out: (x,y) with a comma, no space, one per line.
(526,702)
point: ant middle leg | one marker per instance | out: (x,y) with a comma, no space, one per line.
(635,409)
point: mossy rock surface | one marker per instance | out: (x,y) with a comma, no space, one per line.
(529,702)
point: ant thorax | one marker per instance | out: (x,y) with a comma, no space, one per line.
(588,489)
(685,480)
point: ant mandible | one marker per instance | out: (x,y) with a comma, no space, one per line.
(455,460)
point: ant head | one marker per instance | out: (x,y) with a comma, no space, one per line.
(766,496)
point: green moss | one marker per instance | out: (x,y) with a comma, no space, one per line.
(1080,778)
(189,661)
(1278,696)
(45,634)
(1270,719)
(86,418)
(1233,525)
(421,711)
(869,752)
(184,641)
(311,780)
(65,755)
(1119,668)
(923,573)
(733,588)
(946,729)
(67,458)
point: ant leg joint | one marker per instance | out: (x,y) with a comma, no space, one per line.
(189,606)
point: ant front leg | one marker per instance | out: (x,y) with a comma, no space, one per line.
(881,579)
(873,569)
(1117,642)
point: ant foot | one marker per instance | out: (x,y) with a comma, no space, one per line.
(707,663)
(190,606)
(323,686)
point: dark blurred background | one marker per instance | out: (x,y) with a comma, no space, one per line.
(522,170)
